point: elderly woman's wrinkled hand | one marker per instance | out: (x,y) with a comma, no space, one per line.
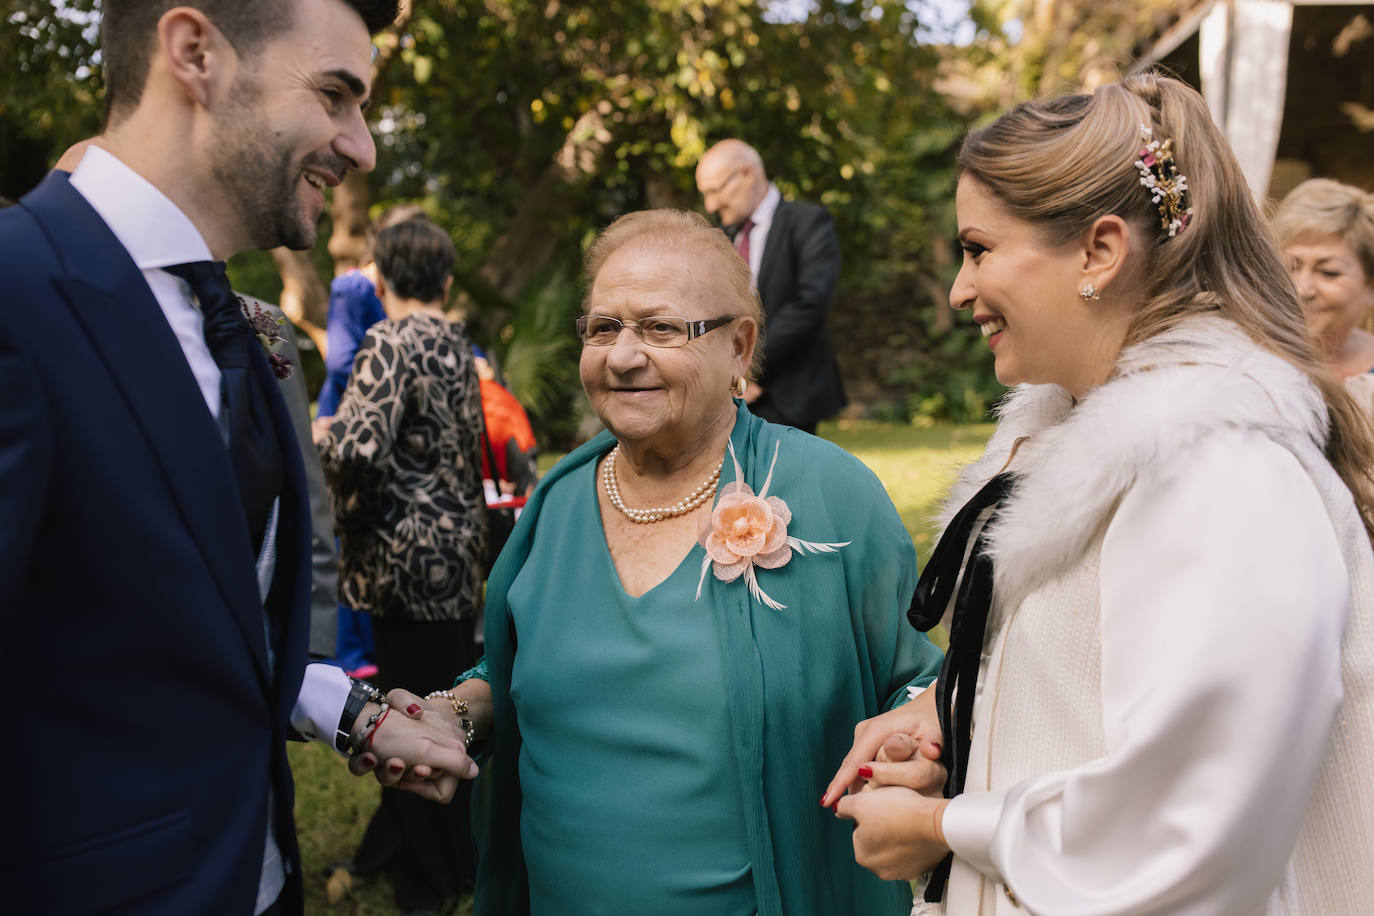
(910,733)
(906,761)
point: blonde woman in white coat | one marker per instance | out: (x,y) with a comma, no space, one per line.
(1170,706)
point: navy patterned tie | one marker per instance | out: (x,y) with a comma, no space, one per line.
(253,447)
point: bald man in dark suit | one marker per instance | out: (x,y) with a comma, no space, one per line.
(794,255)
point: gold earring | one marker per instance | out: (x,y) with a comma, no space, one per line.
(740,387)
(1088,293)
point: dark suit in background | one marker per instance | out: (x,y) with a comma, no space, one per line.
(796,281)
(794,255)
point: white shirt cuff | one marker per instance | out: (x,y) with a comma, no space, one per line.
(324,693)
(969,823)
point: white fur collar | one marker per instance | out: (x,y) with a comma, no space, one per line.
(1078,460)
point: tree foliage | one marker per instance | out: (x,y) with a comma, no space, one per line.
(50,94)
(524,126)
(1030,48)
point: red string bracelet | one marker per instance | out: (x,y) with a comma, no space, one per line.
(370,735)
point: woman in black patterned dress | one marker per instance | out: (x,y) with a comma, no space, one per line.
(403,461)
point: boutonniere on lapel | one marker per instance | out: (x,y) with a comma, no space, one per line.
(745,531)
(267,328)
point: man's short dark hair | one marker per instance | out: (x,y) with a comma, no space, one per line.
(415,257)
(128,35)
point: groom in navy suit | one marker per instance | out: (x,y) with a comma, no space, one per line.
(154,526)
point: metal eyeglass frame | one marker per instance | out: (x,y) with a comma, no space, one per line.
(695,328)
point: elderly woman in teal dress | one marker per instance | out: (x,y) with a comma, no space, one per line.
(693,612)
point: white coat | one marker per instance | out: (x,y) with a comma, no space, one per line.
(1176,707)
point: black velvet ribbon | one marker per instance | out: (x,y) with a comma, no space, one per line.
(958,682)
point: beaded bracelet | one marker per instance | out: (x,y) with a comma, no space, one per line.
(460,709)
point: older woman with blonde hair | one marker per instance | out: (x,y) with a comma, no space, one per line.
(1327,232)
(691,614)
(1159,693)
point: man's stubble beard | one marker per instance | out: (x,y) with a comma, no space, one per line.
(259,180)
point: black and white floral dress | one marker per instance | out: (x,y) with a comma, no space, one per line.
(403,462)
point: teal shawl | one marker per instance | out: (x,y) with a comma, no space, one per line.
(800,678)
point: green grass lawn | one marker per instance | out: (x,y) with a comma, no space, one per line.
(916,466)
(332,808)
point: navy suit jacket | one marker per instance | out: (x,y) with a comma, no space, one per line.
(145,725)
(796,281)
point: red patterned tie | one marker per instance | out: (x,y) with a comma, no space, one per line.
(742,237)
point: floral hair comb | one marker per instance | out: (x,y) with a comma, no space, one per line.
(1168,186)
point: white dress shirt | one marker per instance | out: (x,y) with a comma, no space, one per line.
(762,218)
(157,234)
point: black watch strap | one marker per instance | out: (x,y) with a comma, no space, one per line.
(359,695)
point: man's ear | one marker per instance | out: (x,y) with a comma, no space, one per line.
(381,287)
(192,49)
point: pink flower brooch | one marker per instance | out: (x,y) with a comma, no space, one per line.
(745,531)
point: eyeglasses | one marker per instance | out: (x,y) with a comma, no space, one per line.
(712,192)
(656,330)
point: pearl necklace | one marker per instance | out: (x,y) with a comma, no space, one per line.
(646,516)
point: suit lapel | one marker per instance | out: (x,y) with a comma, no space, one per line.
(290,590)
(125,325)
(778,233)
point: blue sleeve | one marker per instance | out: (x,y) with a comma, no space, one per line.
(353,308)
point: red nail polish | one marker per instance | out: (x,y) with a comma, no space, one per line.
(396,769)
(835,808)
(865,772)
(822,801)
(938,747)
(412,709)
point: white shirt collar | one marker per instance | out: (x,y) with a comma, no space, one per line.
(151,228)
(763,213)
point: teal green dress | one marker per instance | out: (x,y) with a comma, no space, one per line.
(637,691)
(665,754)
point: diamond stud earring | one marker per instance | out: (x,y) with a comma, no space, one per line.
(1088,293)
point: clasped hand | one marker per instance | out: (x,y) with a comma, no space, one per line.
(423,745)
(890,785)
